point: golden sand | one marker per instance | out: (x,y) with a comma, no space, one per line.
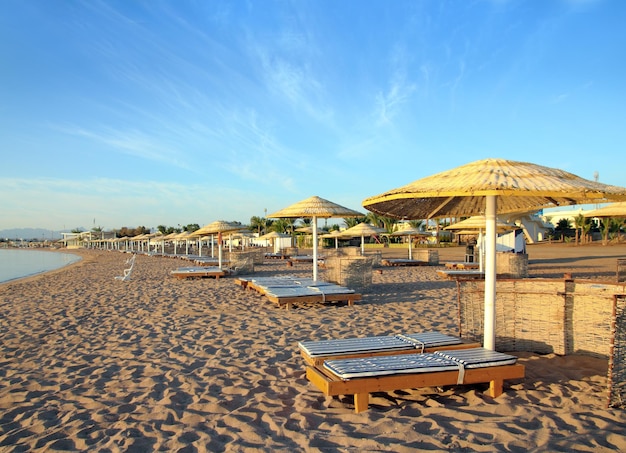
(156,363)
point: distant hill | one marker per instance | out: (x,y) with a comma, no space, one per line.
(30,233)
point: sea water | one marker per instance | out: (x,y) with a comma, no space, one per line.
(17,263)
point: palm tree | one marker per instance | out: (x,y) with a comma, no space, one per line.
(374,219)
(353,221)
(586,229)
(388,223)
(417,224)
(191,227)
(258,223)
(283,225)
(579,221)
(562,226)
(610,225)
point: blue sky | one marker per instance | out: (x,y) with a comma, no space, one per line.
(174,112)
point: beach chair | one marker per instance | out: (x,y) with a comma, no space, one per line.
(464,274)
(287,290)
(197,272)
(362,376)
(316,352)
(127,272)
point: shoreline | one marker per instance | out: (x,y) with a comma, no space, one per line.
(91,363)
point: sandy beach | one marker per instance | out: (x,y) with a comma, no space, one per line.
(156,363)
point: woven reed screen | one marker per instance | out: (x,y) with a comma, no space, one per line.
(621,269)
(529,316)
(242,262)
(617,359)
(554,316)
(256,254)
(354,272)
(427,255)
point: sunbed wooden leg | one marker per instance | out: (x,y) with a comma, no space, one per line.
(361,401)
(495,388)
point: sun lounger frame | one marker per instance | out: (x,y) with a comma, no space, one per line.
(465,274)
(332,385)
(198,272)
(396,262)
(461,265)
(260,285)
(287,302)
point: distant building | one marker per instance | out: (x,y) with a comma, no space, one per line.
(80,240)
(553,217)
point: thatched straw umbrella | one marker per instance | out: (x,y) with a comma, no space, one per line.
(314,207)
(487,187)
(362,229)
(218,227)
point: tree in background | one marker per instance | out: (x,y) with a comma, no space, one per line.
(259,224)
(283,225)
(579,222)
(131,232)
(354,221)
(562,226)
(417,224)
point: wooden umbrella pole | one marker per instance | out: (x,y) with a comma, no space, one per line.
(490,274)
(314,248)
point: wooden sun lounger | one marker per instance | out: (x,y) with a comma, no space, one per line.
(286,297)
(403,262)
(386,380)
(287,290)
(261,284)
(461,265)
(196,272)
(452,274)
(209,261)
(301,258)
(275,256)
(315,353)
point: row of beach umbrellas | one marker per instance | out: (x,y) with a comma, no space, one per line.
(484,188)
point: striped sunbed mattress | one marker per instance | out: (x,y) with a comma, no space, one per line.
(377,344)
(418,363)
(286,281)
(296,291)
(196,270)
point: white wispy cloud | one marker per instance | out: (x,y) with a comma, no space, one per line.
(400,89)
(132,142)
(288,64)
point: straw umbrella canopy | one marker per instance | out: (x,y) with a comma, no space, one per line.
(409,231)
(315,207)
(218,227)
(274,235)
(362,229)
(612,210)
(335,234)
(617,210)
(478,222)
(182,236)
(487,187)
